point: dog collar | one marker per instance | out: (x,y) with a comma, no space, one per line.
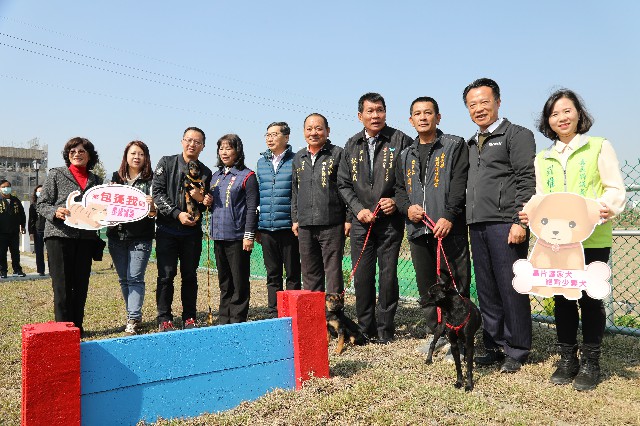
(557,247)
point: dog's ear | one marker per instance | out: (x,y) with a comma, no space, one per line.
(532,205)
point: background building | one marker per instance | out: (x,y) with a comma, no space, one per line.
(25,167)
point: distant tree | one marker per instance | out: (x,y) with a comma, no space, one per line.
(99,170)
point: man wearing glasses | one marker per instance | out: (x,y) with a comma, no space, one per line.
(178,234)
(279,244)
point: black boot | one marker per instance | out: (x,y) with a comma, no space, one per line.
(589,375)
(568,364)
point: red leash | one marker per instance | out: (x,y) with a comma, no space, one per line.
(429,223)
(366,239)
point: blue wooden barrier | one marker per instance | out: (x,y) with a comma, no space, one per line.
(125,380)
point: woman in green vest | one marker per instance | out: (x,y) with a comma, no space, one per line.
(588,166)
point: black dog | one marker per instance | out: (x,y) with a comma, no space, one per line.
(338,324)
(193,180)
(460,320)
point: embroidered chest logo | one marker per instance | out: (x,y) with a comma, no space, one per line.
(298,170)
(439,164)
(387,161)
(551,183)
(582,178)
(410,173)
(227,197)
(327,170)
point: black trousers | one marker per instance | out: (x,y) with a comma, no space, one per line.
(233,265)
(592,310)
(424,256)
(169,249)
(69,266)
(506,314)
(321,252)
(280,248)
(383,246)
(10,241)
(38,245)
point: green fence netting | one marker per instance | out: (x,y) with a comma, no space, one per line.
(623,305)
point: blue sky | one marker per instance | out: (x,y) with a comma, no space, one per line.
(114,71)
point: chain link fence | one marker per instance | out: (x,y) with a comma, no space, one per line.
(623,305)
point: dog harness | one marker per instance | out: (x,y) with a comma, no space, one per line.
(455,328)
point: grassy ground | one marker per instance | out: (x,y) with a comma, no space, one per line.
(369,385)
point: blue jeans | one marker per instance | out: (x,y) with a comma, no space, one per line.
(130,259)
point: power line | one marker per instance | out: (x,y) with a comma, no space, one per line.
(164,61)
(106,95)
(157,74)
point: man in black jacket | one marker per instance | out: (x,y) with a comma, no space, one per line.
(366,179)
(501,180)
(431,180)
(317,211)
(178,234)
(12,221)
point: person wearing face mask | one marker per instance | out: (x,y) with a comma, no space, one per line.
(12,224)
(35,225)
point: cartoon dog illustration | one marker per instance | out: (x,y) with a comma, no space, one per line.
(561,221)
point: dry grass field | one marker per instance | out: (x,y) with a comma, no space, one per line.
(387,385)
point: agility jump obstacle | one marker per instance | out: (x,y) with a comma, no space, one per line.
(170,375)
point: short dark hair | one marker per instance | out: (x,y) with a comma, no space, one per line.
(204,138)
(3,181)
(87,145)
(371,97)
(317,114)
(145,173)
(424,99)
(34,197)
(482,82)
(236,143)
(585,120)
(284,127)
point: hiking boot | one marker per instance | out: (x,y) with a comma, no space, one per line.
(567,366)
(489,358)
(132,327)
(589,374)
(189,324)
(166,326)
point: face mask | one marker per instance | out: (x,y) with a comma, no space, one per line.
(37,193)
(6,190)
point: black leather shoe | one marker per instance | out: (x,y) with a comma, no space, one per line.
(3,275)
(384,340)
(490,358)
(20,274)
(510,365)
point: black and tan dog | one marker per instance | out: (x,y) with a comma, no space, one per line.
(339,325)
(193,180)
(460,320)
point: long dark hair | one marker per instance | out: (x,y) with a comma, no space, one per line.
(585,120)
(236,143)
(34,198)
(87,145)
(145,174)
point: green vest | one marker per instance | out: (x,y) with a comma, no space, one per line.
(580,177)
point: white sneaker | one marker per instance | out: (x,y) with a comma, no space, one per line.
(424,349)
(132,328)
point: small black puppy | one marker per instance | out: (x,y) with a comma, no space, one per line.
(460,321)
(193,180)
(338,324)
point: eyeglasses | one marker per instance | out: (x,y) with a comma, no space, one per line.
(272,135)
(189,141)
(77,151)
